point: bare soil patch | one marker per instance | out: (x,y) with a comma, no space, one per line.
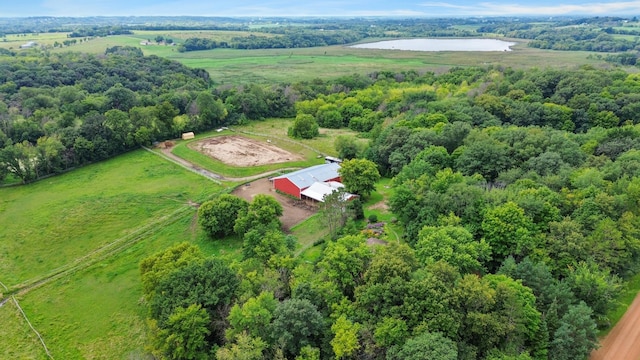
(623,342)
(293,211)
(241,151)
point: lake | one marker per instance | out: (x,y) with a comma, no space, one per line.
(439,45)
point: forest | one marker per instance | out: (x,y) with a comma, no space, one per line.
(517,191)
(518,195)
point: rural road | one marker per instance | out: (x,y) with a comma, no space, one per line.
(623,342)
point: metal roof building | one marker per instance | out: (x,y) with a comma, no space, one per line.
(295,182)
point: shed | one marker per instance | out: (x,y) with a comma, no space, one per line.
(318,190)
(295,182)
(188,135)
(28,45)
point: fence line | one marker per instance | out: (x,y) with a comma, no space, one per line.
(31,326)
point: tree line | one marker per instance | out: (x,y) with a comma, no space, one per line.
(62,111)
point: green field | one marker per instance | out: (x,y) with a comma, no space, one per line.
(83,233)
(229,66)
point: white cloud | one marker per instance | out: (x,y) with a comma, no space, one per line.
(497,9)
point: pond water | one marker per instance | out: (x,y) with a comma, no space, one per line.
(439,45)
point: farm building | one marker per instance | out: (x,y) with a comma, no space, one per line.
(28,45)
(295,182)
(331,159)
(318,190)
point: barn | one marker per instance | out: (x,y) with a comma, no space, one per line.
(294,183)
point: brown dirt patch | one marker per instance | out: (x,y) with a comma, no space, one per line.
(623,342)
(241,151)
(380,205)
(293,211)
(375,241)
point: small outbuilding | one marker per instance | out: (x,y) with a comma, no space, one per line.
(28,45)
(295,182)
(319,190)
(188,135)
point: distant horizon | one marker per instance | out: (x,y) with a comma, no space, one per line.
(532,16)
(307,8)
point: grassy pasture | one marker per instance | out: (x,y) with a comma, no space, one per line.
(230,66)
(277,128)
(184,151)
(13,41)
(59,219)
(98,313)
(17,341)
(94,313)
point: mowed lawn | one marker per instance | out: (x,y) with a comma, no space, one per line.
(94,313)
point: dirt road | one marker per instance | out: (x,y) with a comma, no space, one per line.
(623,342)
(293,211)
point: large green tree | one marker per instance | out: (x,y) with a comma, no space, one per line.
(508,230)
(426,346)
(577,335)
(159,266)
(184,336)
(344,262)
(453,244)
(359,176)
(218,217)
(211,284)
(297,323)
(253,317)
(304,127)
(263,211)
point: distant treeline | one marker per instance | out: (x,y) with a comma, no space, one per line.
(592,34)
(102,31)
(293,40)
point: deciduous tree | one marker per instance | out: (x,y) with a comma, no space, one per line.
(359,176)
(218,217)
(264,210)
(304,127)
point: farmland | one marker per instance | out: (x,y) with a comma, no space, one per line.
(71,244)
(58,221)
(73,217)
(231,66)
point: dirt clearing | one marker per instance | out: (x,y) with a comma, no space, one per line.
(293,211)
(241,151)
(623,342)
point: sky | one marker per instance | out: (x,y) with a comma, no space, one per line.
(349,8)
